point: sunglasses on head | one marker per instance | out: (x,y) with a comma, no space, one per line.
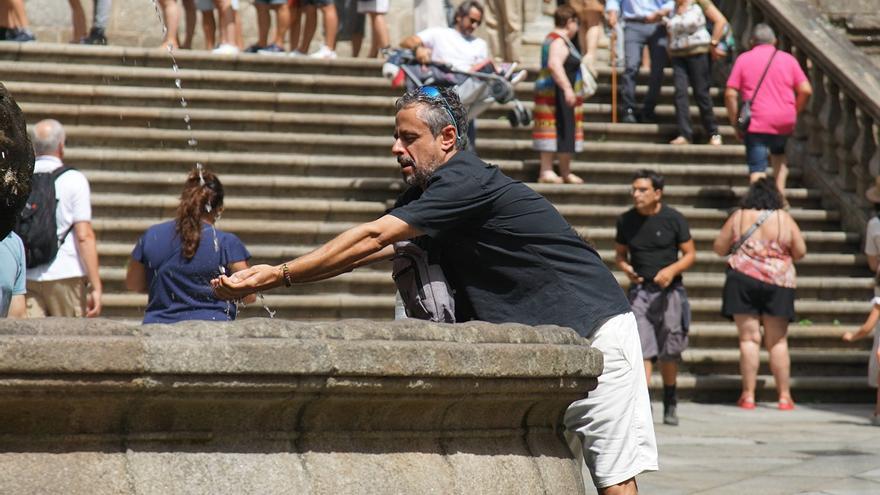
(434,93)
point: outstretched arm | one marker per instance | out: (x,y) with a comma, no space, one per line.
(345,252)
(866,327)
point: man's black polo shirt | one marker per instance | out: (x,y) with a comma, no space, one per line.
(509,250)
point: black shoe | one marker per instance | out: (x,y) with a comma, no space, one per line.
(670,416)
(3,31)
(20,35)
(629,117)
(95,37)
(648,118)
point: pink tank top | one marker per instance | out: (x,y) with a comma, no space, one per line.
(767,260)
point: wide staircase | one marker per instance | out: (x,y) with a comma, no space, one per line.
(303,148)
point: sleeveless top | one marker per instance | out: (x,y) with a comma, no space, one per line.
(687,32)
(544,130)
(767,260)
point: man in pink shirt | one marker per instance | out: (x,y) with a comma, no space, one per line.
(781,97)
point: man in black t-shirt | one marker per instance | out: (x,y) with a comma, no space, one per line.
(514,258)
(649,238)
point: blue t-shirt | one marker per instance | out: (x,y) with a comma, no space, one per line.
(180,289)
(12,271)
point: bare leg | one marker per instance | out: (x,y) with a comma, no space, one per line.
(5,15)
(226,21)
(669,372)
(308,31)
(564,164)
(237,29)
(294,26)
(282,21)
(546,163)
(780,168)
(357,40)
(19,14)
(628,487)
(78,20)
(172,18)
(263,22)
(209,28)
(591,38)
(649,369)
(749,329)
(380,33)
(331,24)
(189,11)
(775,329)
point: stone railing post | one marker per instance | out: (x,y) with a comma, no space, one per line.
(268,406)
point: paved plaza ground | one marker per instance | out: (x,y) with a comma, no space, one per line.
(721,449)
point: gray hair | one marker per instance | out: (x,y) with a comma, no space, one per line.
(48,135)
(438,112)
(762,34)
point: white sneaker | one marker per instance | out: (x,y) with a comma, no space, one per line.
(225,49)
(324,52)
(295,53)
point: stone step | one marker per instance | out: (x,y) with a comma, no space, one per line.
(699,285)
(834,362)
(727,387)
(311,232)
(381,306)
(136,57)
(286,122)
(603,177)
(724,335)
(242,206)
(115,248)
(186,59)
(333,101)
(358,145)
(384,190)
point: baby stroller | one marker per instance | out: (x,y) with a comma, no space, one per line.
(477,90)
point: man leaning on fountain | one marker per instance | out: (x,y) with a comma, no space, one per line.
(514,257)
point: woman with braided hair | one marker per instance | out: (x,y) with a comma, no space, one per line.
(175,261)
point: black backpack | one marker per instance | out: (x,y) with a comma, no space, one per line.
(37,224)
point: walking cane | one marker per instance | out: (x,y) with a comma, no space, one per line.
(613,75)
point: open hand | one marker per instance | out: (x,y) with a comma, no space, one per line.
(247,281)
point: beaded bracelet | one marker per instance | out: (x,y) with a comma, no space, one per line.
(285,272)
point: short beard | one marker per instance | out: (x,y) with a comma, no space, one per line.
(420,175)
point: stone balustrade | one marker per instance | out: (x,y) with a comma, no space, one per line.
(836,140)
(265,406)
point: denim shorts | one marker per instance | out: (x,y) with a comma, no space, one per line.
(758,146)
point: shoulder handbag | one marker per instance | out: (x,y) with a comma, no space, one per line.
(744,116)
(423,288)
(742,240)
(589,83)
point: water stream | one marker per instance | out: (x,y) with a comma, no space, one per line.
(192,142)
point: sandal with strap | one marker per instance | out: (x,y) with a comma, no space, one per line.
(785,405)
(744,403)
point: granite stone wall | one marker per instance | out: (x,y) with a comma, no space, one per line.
(263,406)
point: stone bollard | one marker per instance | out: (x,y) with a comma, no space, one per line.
(267,406)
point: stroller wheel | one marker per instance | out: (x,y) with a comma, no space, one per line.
(519,115)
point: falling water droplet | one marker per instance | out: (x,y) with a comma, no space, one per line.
(263,302)
(177,83)
(192,142)
(187,119)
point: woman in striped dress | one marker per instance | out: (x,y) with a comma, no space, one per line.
(558,130)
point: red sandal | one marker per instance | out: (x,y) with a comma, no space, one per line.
(785,405)
(744,403)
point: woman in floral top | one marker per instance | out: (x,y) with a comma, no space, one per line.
(760,285)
